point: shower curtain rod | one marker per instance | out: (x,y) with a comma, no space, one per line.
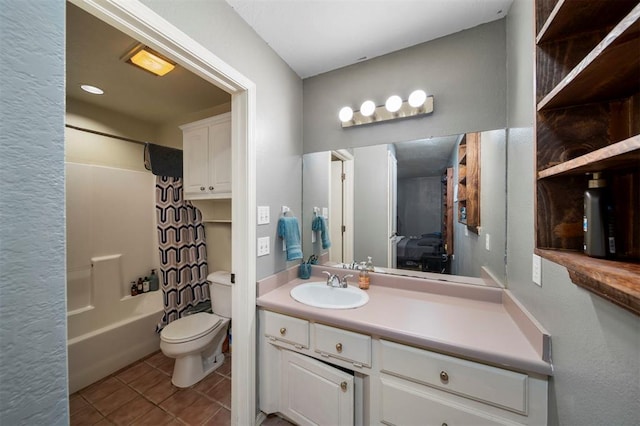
(95,132)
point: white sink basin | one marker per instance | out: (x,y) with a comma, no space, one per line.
(319,295)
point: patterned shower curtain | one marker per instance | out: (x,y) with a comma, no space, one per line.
(183,252)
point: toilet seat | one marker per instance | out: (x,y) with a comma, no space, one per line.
(190,327)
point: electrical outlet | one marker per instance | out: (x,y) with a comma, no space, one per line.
(537,270)
(263,246)
(487,241)
(263,215)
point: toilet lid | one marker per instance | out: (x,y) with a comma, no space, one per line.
(190,327)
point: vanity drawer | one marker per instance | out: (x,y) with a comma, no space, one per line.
(286,329)
(495,386)
(347,345)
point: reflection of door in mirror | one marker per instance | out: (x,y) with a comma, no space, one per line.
(393,210)
(341,207)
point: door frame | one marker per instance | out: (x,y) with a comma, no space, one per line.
(143,24)
(347,203)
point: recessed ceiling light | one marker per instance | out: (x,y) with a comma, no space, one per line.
(92,89)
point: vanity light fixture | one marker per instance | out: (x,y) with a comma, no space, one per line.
(417,104)
(145,58)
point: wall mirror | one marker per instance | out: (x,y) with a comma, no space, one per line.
(392,202)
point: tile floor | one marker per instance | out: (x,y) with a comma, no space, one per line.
(142,394)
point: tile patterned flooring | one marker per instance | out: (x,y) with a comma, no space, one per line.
(142,394)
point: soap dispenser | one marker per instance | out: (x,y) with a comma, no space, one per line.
(363,278)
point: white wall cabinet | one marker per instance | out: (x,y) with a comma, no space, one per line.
(393,383)
(207,158)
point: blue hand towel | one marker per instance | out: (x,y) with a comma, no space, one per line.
(289,230)
(319,224)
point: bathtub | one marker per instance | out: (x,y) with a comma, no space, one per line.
(107,348)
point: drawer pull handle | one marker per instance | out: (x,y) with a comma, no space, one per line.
(211,188)
(339,347)
(283,331)
(202,188)
(444,376)
(343,386)
(444,424)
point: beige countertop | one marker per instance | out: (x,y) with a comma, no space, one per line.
(481,323)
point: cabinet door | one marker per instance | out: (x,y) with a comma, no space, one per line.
(314,393)
(220,157)
(196,154)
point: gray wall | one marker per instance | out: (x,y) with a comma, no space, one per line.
(595,344)
(459,70)
(470,249)
(419,206)
(33,352)
(216,26)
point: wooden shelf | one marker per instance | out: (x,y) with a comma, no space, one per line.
(619,155)
(610,71)
(566,20)
(618,282)
(588,120)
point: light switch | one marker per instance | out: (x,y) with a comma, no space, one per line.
(537,270)
(487,241)
(263,215)
(263,246)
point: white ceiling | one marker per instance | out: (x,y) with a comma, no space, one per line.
(316,36)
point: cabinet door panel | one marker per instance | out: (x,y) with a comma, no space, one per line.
(313,393)
(196,154)
(405,405)
(220,157)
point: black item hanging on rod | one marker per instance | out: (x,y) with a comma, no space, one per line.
(162,160)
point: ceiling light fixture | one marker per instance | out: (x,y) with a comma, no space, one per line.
(145,58)
(92,89)
(394,108)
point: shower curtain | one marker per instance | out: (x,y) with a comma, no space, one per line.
(183,252)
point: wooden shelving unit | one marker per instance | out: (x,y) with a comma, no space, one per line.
(588,120)
(469,181)
(447,220)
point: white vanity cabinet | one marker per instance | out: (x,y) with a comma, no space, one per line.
(206,148)
(391,383)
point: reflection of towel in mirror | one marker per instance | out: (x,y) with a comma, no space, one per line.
(319,224)
(289,230)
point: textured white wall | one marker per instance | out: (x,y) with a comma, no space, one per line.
(33,352)
(595,344)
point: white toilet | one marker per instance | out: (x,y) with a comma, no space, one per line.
(195,341)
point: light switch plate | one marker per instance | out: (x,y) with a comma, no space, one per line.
(263,246)
(487,241)
(263,215)
(537,270)
(466,231)
(325,212)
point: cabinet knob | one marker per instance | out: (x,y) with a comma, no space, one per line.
(343,386)
(283,331)
(444,424)
(211,188)
(444,376)
(202,188)
(339,347)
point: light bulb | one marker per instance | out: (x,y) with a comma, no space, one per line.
(417,98)
(345,114)
(367,108)
(394,103)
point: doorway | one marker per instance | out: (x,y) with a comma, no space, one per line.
(341,207)
(141,23)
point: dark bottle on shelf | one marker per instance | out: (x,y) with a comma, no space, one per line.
(598,224)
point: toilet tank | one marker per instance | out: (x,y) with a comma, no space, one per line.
(220,291)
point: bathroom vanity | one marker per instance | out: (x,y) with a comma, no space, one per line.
(419,352)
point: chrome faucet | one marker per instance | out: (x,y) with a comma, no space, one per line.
(333,280)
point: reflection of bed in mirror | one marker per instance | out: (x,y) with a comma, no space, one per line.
(425,253)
